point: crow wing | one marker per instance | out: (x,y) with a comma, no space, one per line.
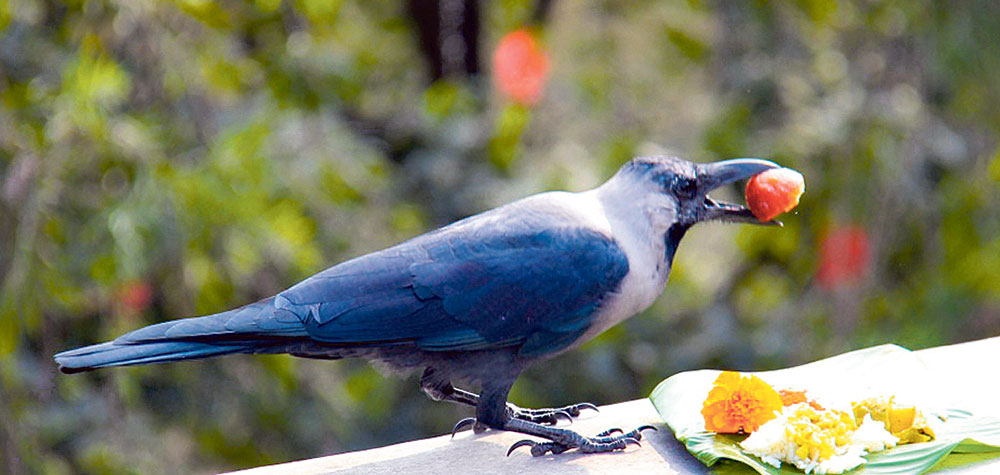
(469,286)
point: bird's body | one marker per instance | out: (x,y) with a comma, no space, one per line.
(478,300)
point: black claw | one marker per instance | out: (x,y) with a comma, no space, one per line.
(630,440)
(462,424)
(586,405)
(611,431)
(522,443)
(556,414)
(637,433)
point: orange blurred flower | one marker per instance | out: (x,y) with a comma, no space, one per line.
(521,67)
(739,404)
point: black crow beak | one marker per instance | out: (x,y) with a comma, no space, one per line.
(714,175)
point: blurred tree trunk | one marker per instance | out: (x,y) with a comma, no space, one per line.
(448,31)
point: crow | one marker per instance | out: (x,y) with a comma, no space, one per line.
(478,300)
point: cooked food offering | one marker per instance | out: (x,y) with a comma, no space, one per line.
(818,441)
(906,422)
(787,426)
(876,411)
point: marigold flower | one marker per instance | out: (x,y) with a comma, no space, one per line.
(739,404)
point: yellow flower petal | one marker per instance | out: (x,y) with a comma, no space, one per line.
(739,404)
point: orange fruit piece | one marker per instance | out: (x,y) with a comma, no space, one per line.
(773,192)
(901,418)
(789,397)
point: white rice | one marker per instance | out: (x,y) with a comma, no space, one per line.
(771,443)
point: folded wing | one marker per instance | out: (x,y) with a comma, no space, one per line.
(465,288)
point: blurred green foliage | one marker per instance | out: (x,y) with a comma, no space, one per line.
(163,159)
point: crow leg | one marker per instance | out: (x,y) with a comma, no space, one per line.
(494,413)
(442,390)
(550,415)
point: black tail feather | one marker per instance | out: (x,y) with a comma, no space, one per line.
(254,328)
(113,354)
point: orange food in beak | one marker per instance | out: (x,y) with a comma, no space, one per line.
(773,192)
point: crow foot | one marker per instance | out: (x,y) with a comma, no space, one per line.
(442,390)
(539,416)
(562,440)
(549,415)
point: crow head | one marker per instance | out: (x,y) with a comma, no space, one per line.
(686,186)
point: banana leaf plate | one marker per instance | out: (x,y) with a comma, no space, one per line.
(887,369)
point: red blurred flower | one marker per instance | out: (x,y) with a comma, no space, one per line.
(135,295)
(520,67)
(843,256)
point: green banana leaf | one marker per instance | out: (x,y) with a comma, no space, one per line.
(887,369)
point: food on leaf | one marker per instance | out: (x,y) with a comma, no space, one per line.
(817,441)
(838,384)
(789,397)
(905,422)
(788,426)
(773,192)
(738,404)
(901,419)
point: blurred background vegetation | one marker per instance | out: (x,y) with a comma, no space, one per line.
(164,159)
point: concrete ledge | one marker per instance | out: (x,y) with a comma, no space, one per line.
(485,453)
(967,372)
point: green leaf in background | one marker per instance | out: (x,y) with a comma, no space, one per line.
(887,369)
